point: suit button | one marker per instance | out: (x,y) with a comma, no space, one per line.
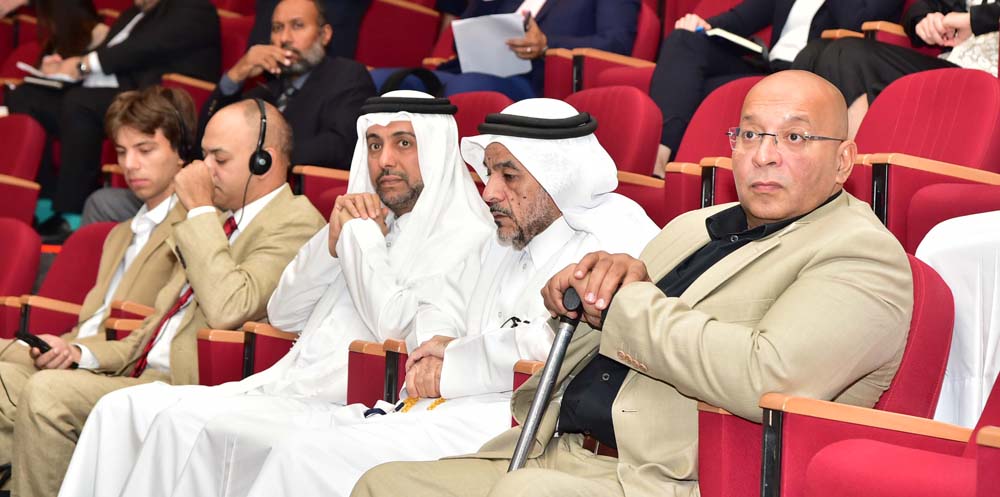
(605,377)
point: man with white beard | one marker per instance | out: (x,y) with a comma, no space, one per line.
(403,271)
(549,189)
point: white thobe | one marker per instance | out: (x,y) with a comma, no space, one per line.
(965,251)
(314,296)
(264,455)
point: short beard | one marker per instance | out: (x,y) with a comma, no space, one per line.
(400,202)
(307,60)
(540,215)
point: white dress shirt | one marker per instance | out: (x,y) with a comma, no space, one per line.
(795,34)
(97,78)
(143,224)
(159,355)
(532,6)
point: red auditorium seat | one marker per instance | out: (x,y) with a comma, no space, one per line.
(242,7)
(396,33)
(6,37)
(22,139)
(118,5)
(376,371)
(55,308)
(730,448)
(473,107)
(231,355)
(882,454)
(235,31)
(28,53)
(940,126)
(20,253)
(883,31)
(19,198)
(939,202)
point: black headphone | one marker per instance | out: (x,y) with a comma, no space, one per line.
(260,161)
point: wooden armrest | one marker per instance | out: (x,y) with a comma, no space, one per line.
(989,436)
(836,34)
(368,348)
(712,409)
(321,172)
(562,53)
(112,169)
(865,417)
(14,302)
(683,168)
(188,80)
(528,367)
(612,57)
(227,13)
(884,26)
(18,182)
(393,345)
(268,330)
(226,336)
(435,61)
(420,9)
(11,81)
(109,13)
(122,324)
(721,162)
(639,179)
(132,307)
(934,166)
(51,304)
(26,18)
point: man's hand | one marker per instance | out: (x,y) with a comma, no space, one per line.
(424,378)
(932,30)
(258,59)
(597,277)
(533,45)
(54,64)
(355,205)
(194,186)
(60,356)
(7,6)
(431,348)
(959,27)
(691,22)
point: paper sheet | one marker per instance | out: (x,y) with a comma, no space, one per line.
(481,43)
(66,78)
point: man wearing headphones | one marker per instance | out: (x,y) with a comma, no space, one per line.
(228,266)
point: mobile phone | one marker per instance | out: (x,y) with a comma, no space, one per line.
(38,343)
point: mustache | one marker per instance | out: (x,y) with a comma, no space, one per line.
(387,172)
(500,210)
(288,46)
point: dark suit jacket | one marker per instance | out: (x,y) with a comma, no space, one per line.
(608,25)
(751,16)
(984,18)
(344,17)
(179,36)
(323,114)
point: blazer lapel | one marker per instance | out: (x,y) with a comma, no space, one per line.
(727,267)
(156,238)
(546,8)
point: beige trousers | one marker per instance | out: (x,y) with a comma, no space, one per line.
(565,469)
(16,368)
(51,409)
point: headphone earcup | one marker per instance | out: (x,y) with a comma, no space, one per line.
(260,162)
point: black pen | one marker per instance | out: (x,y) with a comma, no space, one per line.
(527,21)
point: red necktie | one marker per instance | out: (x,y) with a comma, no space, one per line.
(140,365)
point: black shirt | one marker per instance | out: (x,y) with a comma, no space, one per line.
(586,404)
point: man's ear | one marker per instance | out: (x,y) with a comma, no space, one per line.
(327,34)
(847,152)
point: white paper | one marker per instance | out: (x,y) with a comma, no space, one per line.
(39,74)
(481,43)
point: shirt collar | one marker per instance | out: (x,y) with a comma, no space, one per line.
(549,242)
(245,215)
(733,221)
(146,220)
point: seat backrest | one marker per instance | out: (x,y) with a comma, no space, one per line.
(234,32)
(706,132)
(396,33)
(20,249)
(23,140)
(989,417)
(28,53)
(244,7)
(473,107)
(647,34)
(950,115)
(915,388)
(933,204)
(119,5)
(628,124)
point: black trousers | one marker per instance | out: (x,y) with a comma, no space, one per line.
(865,67)
(76,117)
(692,65)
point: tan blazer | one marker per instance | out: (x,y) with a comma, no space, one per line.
(232,284)
(820,309)
(144,278)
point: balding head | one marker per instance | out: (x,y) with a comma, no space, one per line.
(809,160)
(231,138)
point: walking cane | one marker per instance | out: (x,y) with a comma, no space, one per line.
(571,301)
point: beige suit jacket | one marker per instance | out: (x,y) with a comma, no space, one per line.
(232,284)
(820,309)
(144,278)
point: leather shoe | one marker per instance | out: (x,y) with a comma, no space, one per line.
(55,230)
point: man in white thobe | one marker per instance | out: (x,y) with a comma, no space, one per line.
(403,271)
(549,190)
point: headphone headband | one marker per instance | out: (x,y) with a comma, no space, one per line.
(260,161)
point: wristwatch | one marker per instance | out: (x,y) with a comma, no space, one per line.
(82,67)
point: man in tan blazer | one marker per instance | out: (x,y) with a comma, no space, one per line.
(228,266)
(150,129)
(796,289)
